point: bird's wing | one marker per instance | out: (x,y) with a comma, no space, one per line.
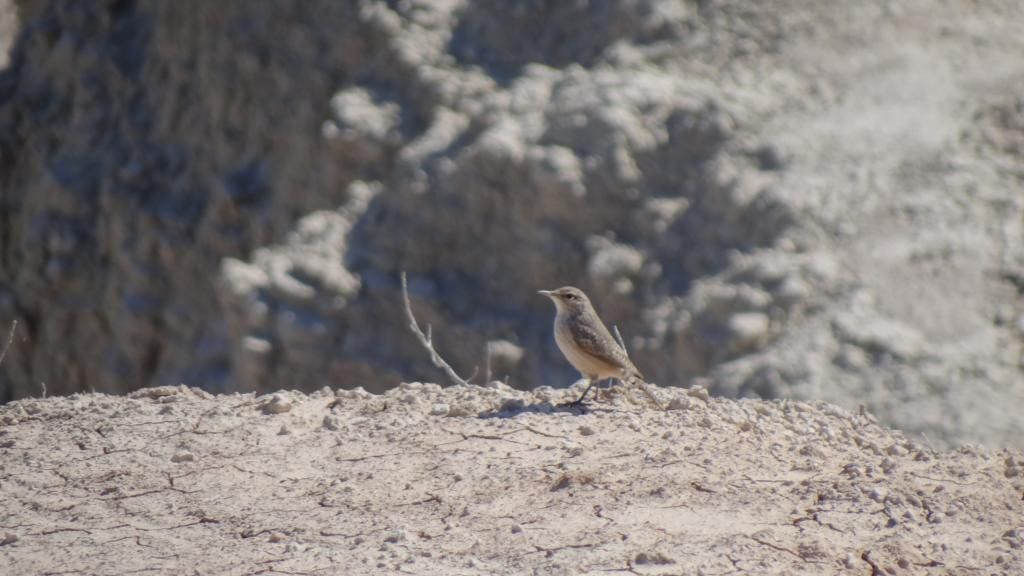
(594,339)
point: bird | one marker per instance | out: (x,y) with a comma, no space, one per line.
(587,344)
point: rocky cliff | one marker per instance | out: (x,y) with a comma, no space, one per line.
(786,200)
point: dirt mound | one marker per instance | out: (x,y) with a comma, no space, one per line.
(781,199)
(489,480)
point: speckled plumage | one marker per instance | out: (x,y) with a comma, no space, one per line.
(585,341)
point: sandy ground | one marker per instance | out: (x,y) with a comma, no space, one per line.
(431,480)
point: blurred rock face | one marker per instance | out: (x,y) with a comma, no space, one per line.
(224,194)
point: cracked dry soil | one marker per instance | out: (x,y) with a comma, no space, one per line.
(490,480)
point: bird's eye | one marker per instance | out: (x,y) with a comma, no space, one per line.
(570,296)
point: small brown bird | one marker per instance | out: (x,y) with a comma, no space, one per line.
(586,342)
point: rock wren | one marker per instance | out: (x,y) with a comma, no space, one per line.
(586,343)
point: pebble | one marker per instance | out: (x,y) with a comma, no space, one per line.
(679,403)
(586,430)
(295,547)
(278,404)
(896,450)
(698,392)
(512,403)
(748,328)
(439,409)
(183,456)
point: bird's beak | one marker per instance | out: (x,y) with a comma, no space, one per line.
(545,293)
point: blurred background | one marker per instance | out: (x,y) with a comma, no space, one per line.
(788,199)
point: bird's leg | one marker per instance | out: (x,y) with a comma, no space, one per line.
(614,383)
(590,384)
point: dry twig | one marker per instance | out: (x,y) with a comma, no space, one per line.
(618,338)
(427,340)
(10,339)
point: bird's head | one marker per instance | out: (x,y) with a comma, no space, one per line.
(567,298)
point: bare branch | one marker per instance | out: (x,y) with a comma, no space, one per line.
(10,339)
(618,338)
(487,363)
(426,339)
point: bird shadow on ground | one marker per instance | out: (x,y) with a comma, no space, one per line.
(514,408)
(544,408)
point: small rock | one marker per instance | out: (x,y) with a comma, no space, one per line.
(888,465)
(586,430)
(894,500)
(295,547)
(793,290)
(896,450)
(698,392)
(395,536)
(516,529)
(277,537)
(284,431)
(183,456)
(439,409)
(652,558)
(512,403)
(278,404)
(748,329)
(9,538)
(679,403)
(354,393)
(332,422)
